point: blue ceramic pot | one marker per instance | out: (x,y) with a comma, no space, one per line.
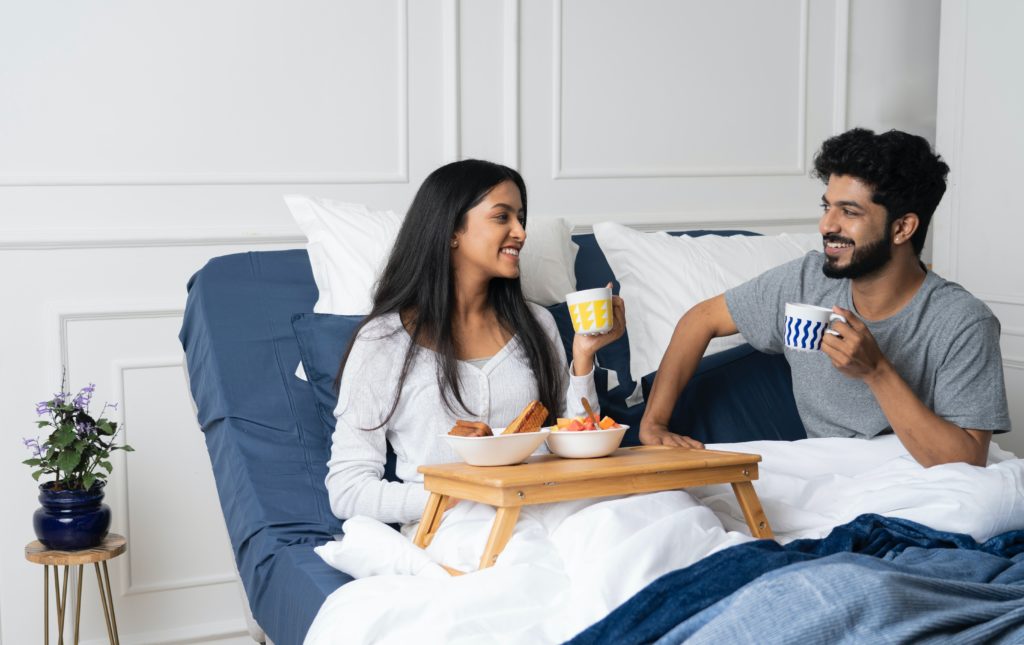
(70,520)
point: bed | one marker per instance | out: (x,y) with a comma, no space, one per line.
(268,436)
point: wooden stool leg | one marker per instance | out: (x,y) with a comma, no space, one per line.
(752,511)
(501,531)
(110,599)
(46,604)
(78,602)
(431,519)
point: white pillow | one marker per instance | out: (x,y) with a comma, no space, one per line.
(349,245)
(663,276)
(548,260)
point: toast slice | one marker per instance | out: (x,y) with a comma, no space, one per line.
(531,419)
(471,429)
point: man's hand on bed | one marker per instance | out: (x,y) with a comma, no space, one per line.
(656,434)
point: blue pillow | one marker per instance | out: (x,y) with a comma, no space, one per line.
(323,340)
(737,395)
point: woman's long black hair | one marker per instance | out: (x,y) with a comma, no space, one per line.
(418,282)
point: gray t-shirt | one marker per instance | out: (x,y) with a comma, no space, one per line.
(944,343)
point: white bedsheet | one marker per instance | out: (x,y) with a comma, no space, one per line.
(569,564)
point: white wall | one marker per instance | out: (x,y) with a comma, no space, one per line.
(137,140)
(977,228)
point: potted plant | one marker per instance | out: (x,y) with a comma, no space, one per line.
(77,454)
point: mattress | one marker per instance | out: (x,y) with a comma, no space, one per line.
(266,443)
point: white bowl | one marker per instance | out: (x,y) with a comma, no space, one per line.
(499,450)
(584,444)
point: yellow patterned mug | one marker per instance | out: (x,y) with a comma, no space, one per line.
(591,310)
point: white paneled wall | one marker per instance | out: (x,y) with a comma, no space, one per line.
(137,140)
(977,228)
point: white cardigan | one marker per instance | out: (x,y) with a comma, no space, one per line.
(495,393)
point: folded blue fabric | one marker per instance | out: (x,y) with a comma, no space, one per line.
(921,595)
(323,341)
(679,595)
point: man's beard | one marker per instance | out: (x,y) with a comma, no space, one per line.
(865,260)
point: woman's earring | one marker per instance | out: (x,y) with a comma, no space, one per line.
(455,244)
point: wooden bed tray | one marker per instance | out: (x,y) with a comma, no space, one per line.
(547,478)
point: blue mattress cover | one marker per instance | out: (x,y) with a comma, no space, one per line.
(267,446)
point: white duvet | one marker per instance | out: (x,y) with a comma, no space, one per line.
(569,564)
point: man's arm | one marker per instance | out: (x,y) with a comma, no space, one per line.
(929,438)
(707,320)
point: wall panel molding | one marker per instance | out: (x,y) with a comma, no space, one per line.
(1015,363)
(1000,299)
(399,175)
(128,587)
(510,82)
(841,66)
(950,130)
(451,80)
(798,168)
(66,318)
(44,240)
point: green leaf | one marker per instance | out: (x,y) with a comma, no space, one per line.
(32,462)
(106,427)
(125,447)
(107,465)
(42,424)
(36,475)
(63,437)
(88,480)
(68,460)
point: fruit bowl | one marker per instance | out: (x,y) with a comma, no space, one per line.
(585,444)
(499,450)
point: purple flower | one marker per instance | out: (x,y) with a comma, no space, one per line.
(43,407)
(84,396)
(33,445)
(82,429)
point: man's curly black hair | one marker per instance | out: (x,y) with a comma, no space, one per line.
(903,172)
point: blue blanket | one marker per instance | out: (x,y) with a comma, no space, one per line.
(872,576)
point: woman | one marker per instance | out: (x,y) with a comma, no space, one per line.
(449,337)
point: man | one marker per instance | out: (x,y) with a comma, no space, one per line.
(918,355)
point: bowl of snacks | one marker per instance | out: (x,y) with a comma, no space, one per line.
(585,438)
(479,445)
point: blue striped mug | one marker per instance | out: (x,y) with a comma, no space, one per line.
(806,325)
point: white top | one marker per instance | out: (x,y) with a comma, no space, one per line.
(495,393)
